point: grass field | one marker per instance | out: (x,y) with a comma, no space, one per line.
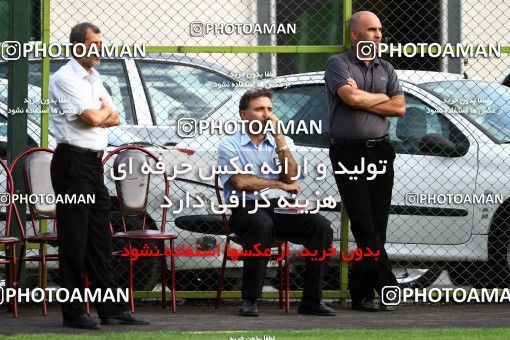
(408,334)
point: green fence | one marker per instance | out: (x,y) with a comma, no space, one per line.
(461,244)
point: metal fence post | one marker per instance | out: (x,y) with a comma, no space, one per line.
(45,73)
(19,31)
(45,79)
(344,227)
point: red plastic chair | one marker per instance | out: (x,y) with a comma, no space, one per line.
(232,237)
(132,193)
(36,175)
(9,257)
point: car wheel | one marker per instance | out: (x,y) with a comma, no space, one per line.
(406,277)
(416,278)
(495,273)
(467,274)
(146,271)
(506,82)
(497,268)
(195,280)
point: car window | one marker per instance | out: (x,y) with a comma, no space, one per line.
(407,132)
(179,91)
(304,103)
(3,126)
(506,82)
(3,137)
(485,104)
(113,74)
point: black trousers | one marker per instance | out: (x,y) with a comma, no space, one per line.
(84,237)
(312,231)
(367,204)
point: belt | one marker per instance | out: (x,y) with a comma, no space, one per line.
(79,149)
(369,143)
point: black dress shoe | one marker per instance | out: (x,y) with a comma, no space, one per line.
(315,308)
(365,305)
(124,318)
(387,308)
(248,308)
(82,322)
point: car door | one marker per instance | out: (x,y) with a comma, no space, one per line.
(415,172)
(180,91)
(114,75)
(421,212)
(308,103)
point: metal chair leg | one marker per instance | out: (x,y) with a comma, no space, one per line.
(22,254)
(43,278)
(87,303)
(287,283)
(14,282)
(9,282)
(222,275)
(131,297)
(163,283)
(280,280)
(172,273)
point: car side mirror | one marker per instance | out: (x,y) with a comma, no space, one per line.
(434,144)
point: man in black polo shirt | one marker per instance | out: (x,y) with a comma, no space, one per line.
(362,91)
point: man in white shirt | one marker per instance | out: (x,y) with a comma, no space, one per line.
(81,109)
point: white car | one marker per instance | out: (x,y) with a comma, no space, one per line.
(506,79)
(420,237)
(440,151)
(150,93)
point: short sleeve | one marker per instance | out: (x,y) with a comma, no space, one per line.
(394,88)
(297,157)
(68,97)
(336,74)
(106,95)
(226,151)
(290,143)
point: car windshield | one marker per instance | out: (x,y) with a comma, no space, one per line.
(182,91)
(484,103)
(113,74)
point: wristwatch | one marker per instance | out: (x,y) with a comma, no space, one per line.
(285,148)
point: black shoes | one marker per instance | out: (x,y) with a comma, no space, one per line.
(387,308)
(248,308)
(124,318)
(315,308)
(82,322)
(365,305)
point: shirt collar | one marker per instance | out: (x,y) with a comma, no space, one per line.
(245,139)
(355,59)
(80,71)
(270,139)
